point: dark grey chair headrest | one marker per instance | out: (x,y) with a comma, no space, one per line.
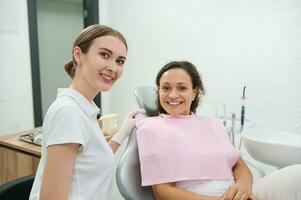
(146,98)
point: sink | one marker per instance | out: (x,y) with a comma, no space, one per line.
(273,147)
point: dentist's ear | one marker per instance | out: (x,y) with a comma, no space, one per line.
(77,55)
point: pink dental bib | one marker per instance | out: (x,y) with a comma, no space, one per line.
(177,148)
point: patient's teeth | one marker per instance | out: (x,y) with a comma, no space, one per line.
(174,103)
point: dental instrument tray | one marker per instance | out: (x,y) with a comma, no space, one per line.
(34,137)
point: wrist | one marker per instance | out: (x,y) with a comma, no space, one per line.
(245,184)
(118,138)
(245,180)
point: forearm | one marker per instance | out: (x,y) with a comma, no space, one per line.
(170,192)
(242,173)
(242,188)
(58,171)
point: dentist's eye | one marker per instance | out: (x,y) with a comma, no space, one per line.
(105,55)
(120,62)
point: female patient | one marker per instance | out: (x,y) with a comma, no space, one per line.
(184,157)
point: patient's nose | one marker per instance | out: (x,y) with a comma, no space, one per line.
(173,93)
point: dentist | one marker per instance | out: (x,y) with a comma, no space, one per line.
(77,162)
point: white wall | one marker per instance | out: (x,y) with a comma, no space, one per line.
(16,103)
(16,109)
(233,43)
(58,24)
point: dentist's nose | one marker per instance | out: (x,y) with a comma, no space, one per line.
(112,67)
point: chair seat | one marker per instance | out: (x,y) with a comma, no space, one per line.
(18,189)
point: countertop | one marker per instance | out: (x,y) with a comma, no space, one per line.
(13,141)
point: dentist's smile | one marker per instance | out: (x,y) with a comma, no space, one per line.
(106,78)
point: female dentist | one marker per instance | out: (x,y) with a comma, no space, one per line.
(77,163)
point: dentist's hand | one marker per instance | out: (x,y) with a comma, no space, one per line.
(127,126)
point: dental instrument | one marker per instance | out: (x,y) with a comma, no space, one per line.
(242,116)
(225,115)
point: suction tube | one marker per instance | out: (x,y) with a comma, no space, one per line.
(242,117)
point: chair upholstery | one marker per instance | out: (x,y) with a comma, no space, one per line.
(146,98)
(18,189)
(128,176)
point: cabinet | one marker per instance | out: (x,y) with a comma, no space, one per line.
(17,158)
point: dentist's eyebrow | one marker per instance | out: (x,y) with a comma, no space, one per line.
(111,52)
(122,57)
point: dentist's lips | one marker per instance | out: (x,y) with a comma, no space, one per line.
(107,78)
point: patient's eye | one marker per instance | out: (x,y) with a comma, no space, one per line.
(182,88)
(165,88)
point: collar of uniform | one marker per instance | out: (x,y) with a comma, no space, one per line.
(89,107)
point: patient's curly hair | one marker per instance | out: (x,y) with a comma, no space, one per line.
(195,77)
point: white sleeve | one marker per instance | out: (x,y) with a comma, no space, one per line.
(67,126)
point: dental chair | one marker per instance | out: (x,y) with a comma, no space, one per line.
(128,176)
(18,189)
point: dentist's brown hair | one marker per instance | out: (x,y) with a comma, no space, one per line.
(84,41)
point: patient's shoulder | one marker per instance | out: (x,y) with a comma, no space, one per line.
(208,118)
(141,121)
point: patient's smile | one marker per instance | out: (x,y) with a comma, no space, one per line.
(174,103)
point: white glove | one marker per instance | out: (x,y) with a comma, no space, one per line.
(127,126)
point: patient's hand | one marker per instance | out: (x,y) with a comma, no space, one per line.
(239,190)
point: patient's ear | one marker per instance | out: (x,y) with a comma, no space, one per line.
(195,93)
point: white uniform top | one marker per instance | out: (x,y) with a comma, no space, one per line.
(72,119)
